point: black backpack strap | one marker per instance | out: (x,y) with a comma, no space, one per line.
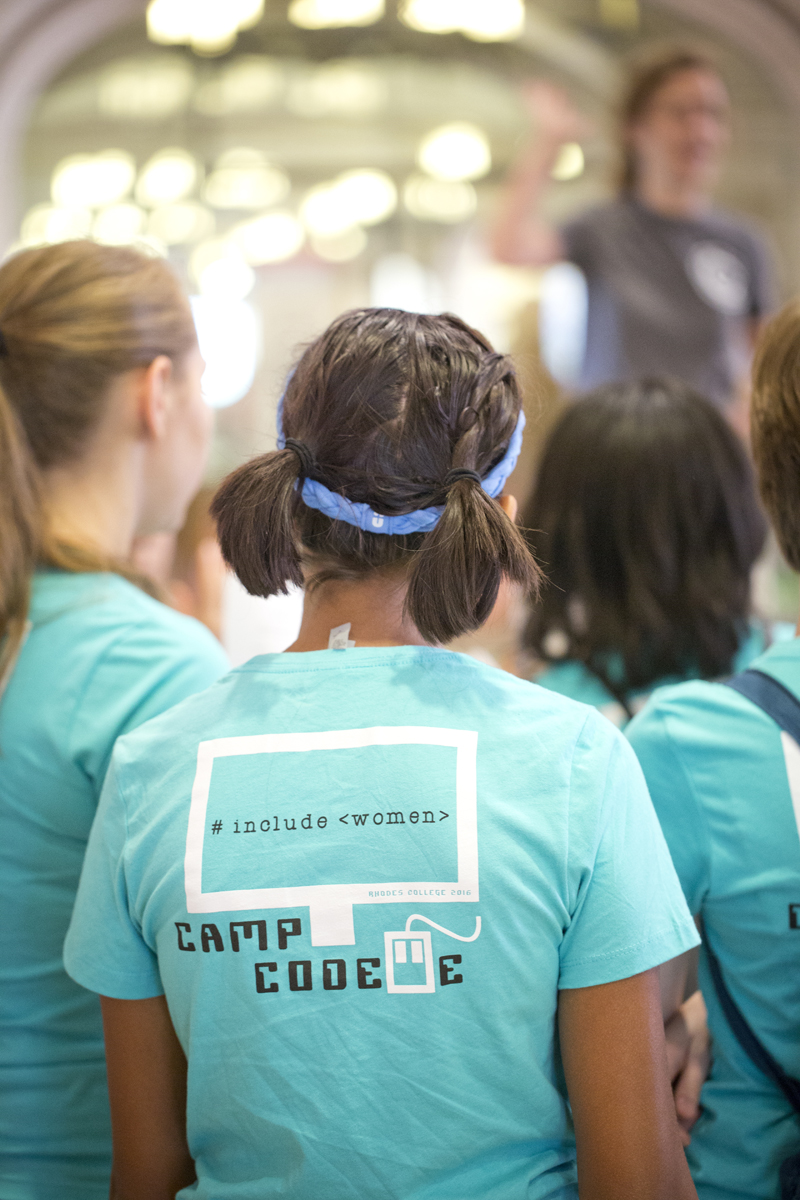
(770,696)
(752,1047)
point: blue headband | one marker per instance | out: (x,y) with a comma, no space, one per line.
(339,508)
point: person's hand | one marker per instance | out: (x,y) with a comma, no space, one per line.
(552,112)
(688,1059)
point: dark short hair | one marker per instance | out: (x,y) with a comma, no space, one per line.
(387,402)
(776,426)
(645,520)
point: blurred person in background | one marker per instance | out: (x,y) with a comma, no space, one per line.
(646,522)
(103,437)
(723,768)
(675,285)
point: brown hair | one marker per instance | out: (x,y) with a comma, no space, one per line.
(388,403)
(648,75)
(646,519)
(72,317)
(775,426)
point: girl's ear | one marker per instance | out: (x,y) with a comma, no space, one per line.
(509,506)
(155,397)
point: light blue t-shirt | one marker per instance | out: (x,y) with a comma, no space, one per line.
(361,877)
(717,771)
(572,678)
(100,658)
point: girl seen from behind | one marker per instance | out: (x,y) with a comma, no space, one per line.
(103,436)
(646,521)
(721,762)
(381,909)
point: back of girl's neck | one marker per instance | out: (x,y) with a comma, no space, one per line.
(373,609)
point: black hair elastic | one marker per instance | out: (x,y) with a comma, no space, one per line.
(307,461)
(3,345)
(456,473)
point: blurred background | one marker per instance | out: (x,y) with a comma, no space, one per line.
(294,158)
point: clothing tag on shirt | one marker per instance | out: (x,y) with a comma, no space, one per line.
(340,638)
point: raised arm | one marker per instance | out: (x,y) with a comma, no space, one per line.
(147,1089)
(612,1045)
(520,234)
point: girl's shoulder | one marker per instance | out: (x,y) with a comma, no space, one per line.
(88,614)
(416,688)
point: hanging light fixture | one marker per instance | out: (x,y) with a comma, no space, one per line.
(208,26)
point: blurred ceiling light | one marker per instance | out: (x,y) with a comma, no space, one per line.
(622,14)
(360,197)
(219,270)
(228,333)
(343,88)
(170,175)
(243,179)
(49,223)
(250,83)
(208,26)
(327,14)
(119,224)
(455,152)
(343,247)
(323,214)
(370,195)
(438,200)
(145,88)
(180,224)
(481,20)
(569,164)
(271,238)
(169,21)
(93,179)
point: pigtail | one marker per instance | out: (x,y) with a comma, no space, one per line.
(20,531)
(456,575)
(254,510)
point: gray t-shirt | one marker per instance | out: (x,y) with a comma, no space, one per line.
(668,296)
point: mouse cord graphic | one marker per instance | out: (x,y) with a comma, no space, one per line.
(449,932)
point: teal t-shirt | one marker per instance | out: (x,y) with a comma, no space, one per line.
(572,678)
(726,787)
(100,658)
(361,877)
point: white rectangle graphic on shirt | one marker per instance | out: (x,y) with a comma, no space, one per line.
(331,905)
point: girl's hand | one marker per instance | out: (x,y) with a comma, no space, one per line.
(688,1059)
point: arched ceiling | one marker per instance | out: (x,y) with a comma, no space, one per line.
(38,38)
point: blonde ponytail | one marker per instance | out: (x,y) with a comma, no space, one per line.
(73,317)
(19,526)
